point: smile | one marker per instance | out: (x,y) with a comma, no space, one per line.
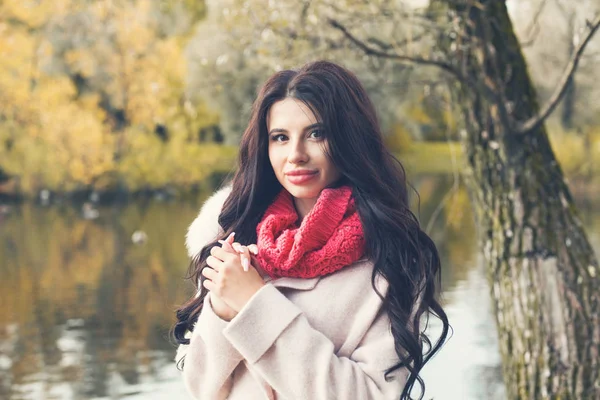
(301,179)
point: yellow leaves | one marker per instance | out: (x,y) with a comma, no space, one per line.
(157,83)
(134,38)
(457,204)
(34,14)
(52,92)
(178,163)
(73,72)
(399,140)
(418,114)
(67,147)
(15,72)
(101,9)
(81,60)
(30,13)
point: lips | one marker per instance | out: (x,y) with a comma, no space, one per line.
(301,177)
(301,172)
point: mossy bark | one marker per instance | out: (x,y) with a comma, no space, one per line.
(543,273)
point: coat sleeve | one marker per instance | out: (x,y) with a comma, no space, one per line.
(209,358)
(299,362)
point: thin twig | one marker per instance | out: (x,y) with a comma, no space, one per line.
(538,119)
(533,29)
(369,50)
(452,70)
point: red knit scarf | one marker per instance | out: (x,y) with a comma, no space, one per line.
(329,237)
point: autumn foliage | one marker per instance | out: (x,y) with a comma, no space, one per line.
(92,95)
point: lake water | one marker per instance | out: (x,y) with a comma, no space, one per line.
(85,312)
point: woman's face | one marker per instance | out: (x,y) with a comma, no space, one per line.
(296,145)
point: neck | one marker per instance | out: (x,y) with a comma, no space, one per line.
(303,207)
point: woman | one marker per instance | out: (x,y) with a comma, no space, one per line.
(339,272)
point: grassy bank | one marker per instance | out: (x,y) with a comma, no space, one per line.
(177,169)
(172,170)
(579,156)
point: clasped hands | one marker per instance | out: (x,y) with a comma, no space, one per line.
(232,278)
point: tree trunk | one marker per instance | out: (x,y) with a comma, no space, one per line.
(543,273)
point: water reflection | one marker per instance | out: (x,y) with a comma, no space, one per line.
(84,312)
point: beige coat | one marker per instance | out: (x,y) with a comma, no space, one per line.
(324,338)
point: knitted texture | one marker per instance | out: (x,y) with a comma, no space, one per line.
(329,237)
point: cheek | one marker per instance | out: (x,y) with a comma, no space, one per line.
(327,165)
(275,160)
(333,174)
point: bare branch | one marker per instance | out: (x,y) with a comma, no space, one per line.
(534,28)
(369,50)
(535,121)
(477,86)
(388,46)
(532,37)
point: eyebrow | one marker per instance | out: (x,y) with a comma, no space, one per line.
(281,130)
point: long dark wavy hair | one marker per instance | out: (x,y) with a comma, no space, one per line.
(399,249)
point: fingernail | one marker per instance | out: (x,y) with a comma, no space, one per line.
(237,247)
(245,264)
(253,250)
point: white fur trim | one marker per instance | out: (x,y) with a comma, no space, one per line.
(205,228)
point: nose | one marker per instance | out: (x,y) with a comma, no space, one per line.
(298,154)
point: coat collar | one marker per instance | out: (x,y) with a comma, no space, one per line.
(305,283)
(295,283)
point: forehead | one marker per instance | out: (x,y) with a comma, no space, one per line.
(290,114)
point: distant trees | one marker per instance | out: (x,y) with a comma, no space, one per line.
(94,94)
(242,42)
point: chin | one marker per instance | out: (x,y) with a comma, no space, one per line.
(304,192)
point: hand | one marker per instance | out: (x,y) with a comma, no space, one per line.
(221,308)
(247,252)
(227,278)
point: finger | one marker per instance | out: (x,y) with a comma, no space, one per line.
(237,247)
(246,258)
(209,273)
(245,255)
(214,263)
(208,284)
(230,238)
(218,252)
(226,246)
(253,249)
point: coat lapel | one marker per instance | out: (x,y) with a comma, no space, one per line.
(295,283)
(305,283)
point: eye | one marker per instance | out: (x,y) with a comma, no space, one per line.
(275,138)
(319,133)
